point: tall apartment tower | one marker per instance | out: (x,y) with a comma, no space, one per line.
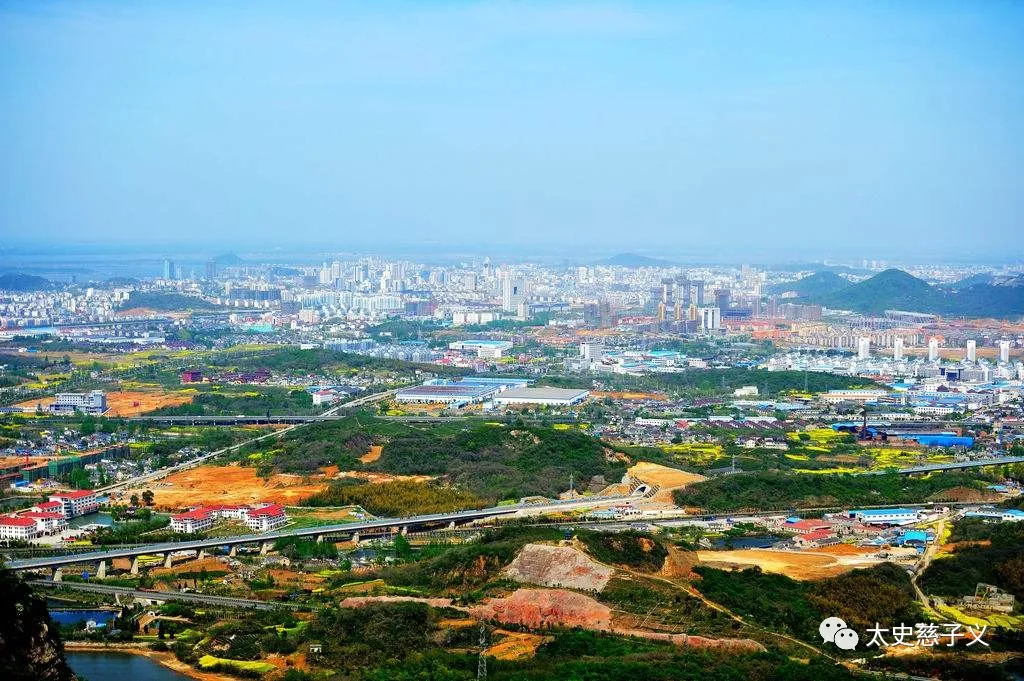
(933,349)
(897,349)
(1004,352)
(972,351)
(864,348)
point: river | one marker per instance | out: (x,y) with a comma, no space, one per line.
(110,666)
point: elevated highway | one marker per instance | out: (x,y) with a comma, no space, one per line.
(266,540)
(956,465)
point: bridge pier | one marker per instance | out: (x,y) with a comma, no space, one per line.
(201,554)
(135,564)
(167,560)
(451,525)
(233,551)
(101,570)
(265,547)
(404,531)
(58,575)
(355,537)
(319,539)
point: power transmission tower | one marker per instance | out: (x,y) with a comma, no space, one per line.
(481,661)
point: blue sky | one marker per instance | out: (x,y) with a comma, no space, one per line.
(774,128)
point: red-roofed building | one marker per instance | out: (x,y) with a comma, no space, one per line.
(816,538)
(259,517)
(46,522)
(12,527)
(77,503)
(49,507)
(266,517)
(196,520)
(806,526)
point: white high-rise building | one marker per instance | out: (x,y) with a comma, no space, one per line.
(864,348)
(591,352)
(1004,352)
(710,318)
(933,349)
(972,351)
(513,292)
(897,349)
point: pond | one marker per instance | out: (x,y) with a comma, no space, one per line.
(760,541)
(110,666)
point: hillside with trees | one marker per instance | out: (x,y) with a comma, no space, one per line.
(773,490)
(493,461)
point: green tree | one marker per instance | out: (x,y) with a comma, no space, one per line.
(134,500)
(147,497)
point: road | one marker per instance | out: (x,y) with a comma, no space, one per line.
(247,603)
(923,564)
(332,413)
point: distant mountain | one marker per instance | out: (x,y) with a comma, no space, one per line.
(121,281)
(896,290)
(22,283)
(813,285)
(635,260)
(979,278)
(228,260)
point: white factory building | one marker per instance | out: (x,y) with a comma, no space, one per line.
(561,397)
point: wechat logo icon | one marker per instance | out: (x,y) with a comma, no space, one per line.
(834,630)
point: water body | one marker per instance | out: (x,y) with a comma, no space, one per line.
(92,519)
(109,666)
(75,616)
(765,541)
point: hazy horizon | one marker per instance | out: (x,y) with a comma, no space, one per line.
(767,133)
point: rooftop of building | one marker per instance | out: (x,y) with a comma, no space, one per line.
(543,393)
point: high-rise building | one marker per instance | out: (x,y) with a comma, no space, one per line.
(700,292)
(897,349)
(1004,352)
(710,318)
(722,296)
(972,351)
(863,348)
(211,270)
(513,292)
(933,349)
(169,271)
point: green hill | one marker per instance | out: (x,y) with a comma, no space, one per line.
(889,290)
(23,283)
(492,461)
(894,289)
(813,285)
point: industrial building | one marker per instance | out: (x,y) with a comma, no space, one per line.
(561,397)
(93,402)
(484,349)
(458,393)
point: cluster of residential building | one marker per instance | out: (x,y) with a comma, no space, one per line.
(260,517)
(48,517)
